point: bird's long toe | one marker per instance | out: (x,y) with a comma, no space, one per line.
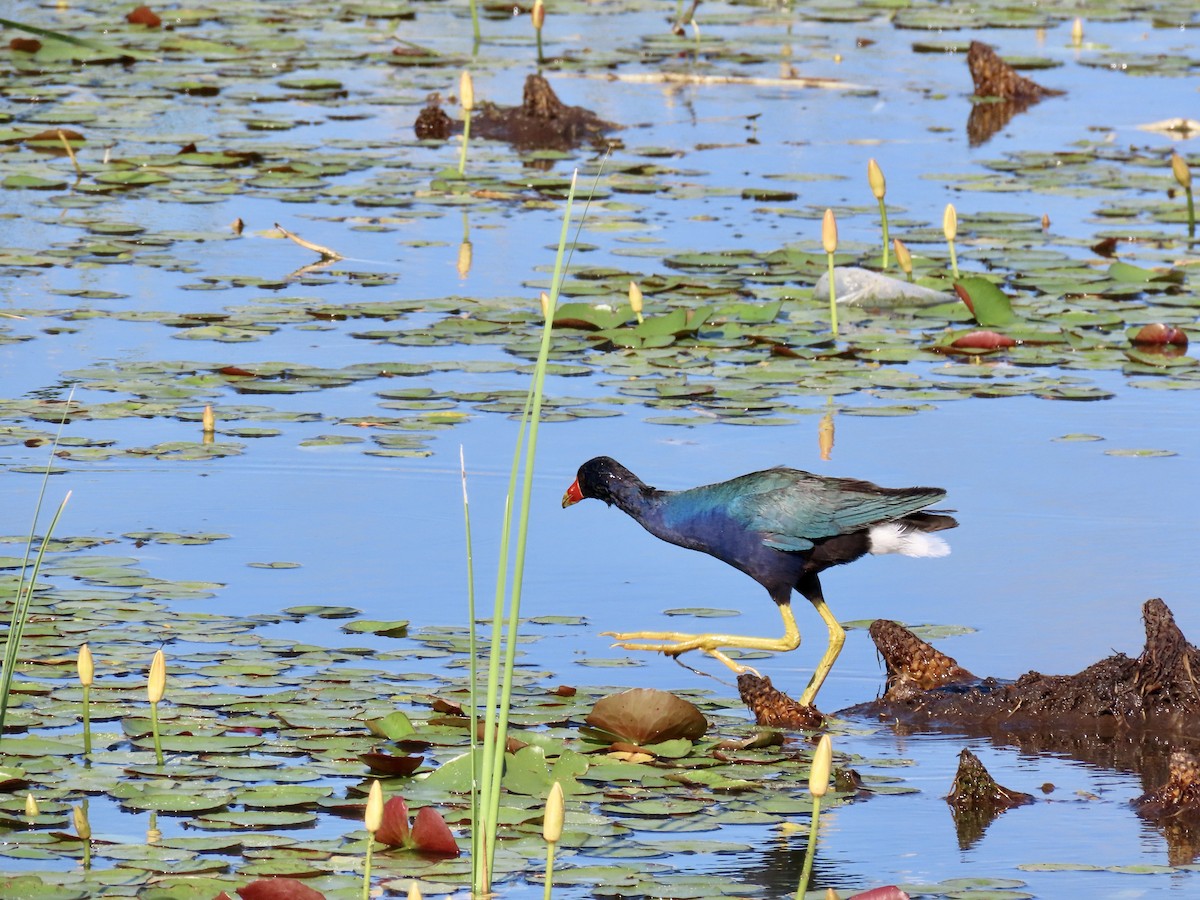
(673,637)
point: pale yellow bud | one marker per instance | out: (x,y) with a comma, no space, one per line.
(1182,173)
(374,815)
(465,256)
(414,892)
(539,14)
(31,806)
(903,257)
(875,179)
(208,422)
(87,671)
(831,894)
(156,684)
(950,222)
(1077,31)
(818,775)
(1045,221)
(545,301)
(466,91)
(552,822)
(83,828)
(829,232)
(635,300)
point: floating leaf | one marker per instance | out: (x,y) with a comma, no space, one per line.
(988,304)
(647,716)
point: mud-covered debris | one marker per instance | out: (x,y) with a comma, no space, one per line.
(1158,692)
(773,708)
(542,121)
(976,799)
(993,77)
(913,664)
(1174,807)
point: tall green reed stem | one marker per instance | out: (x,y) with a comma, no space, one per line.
(25,587)
(472,650)
(498,697)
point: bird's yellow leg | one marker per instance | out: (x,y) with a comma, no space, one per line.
(673,643)
(837,637)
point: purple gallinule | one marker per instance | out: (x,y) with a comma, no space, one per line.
(782,527)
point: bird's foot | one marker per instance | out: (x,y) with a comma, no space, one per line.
(674,643)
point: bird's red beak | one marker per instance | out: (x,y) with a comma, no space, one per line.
(573,494)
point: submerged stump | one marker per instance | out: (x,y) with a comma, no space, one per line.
(976,799)
(1000,93)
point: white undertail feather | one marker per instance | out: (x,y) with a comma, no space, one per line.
(895,537)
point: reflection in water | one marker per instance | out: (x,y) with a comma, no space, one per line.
(989,116)
(775,869)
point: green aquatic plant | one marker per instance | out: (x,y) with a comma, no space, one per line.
(23,599)
(83,828)
(552,826)
(878,186)
(87,672)
(829,241)
(507,603)
(156,685)
(1183,175)
(538,16)
(818,786)
(950,230)
(372,819)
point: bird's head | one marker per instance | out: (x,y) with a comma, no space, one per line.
(596,480)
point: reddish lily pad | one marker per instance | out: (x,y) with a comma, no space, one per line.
(278,889)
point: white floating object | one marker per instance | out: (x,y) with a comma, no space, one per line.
(862,287)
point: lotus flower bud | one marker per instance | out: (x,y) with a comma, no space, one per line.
(818,775)
(85,667)
(903,257)
(875,179)
(950,222)
(545,301)
(156,685)
(466,91)
(374,815)
(635,300)
(1179,168)
(208,422)
(829,232)
(82,827)
(539,14)
(414,892)
(552,823)
(31,806)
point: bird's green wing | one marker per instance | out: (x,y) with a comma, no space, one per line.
(793,508)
